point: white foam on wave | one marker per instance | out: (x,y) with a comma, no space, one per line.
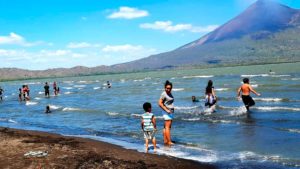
(265,108)
(67,92)
(295,79)
(203,76)
(54,107)
(112,113)
(280,75)
(254,85)
(258,75)
(37,98)
(185,107)
(8,120)
(41,92)
(238,111)
(268,99)
(192,119)
(291,130)
(136,115)
(79,86)
(68,88)
(221,89)
(178,89)
(96,88)
(138,80)
(28,103)
(70,109)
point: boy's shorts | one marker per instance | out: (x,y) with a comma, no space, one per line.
(149,135)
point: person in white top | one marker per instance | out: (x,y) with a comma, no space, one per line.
(166,103)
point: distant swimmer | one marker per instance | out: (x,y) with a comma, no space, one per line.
(108,84)
(48,109)
(194,99)
(1,93)
(55,88)
(20,94)
(246,89)
(148,125)
(210,95)
(47,92)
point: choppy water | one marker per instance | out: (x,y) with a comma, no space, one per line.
(267,138)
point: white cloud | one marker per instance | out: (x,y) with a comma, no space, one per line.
(128,13)
(122,48)
(15,39)
(44,59)
(12,39)
(82,45)
(168,26)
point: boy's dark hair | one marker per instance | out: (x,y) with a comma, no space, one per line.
(168,83)
(146,106)
(246,80)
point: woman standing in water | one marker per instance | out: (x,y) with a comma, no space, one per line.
(166,103)
(210,95)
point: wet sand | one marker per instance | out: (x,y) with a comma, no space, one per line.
(73,152)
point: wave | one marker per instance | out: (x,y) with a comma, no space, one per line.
(280,75)
(41,92)
(295,79)
(8,120)
(79,86)
(269,99)
(54,107)
(265,108)
(96,88)
(68,88)
(203,76)
(221,89)
(138,80)
(258,75)
(185,108)
(291,130)
(37,98)
(112,113)
(67,92)
(71,109)
(28,103)
(136,115)
(192,119)
(239,111)
(177,89)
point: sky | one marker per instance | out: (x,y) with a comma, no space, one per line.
(39,35)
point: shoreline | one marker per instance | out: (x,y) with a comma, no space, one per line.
(75,152)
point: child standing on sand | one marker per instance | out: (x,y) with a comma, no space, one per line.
(148,125)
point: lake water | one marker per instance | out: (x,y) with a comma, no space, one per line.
(269,137)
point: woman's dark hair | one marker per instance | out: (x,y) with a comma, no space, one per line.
(209,87)
(146,106)
(168,83)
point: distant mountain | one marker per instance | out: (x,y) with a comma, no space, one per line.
(266,32)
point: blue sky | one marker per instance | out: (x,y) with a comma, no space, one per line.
(46,34)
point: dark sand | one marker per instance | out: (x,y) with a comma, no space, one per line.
(73,152)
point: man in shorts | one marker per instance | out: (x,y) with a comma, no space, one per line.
(246,89)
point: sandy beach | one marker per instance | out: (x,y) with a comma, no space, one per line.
(71,152)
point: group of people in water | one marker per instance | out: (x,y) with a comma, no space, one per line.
(166,100)
(47,89)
